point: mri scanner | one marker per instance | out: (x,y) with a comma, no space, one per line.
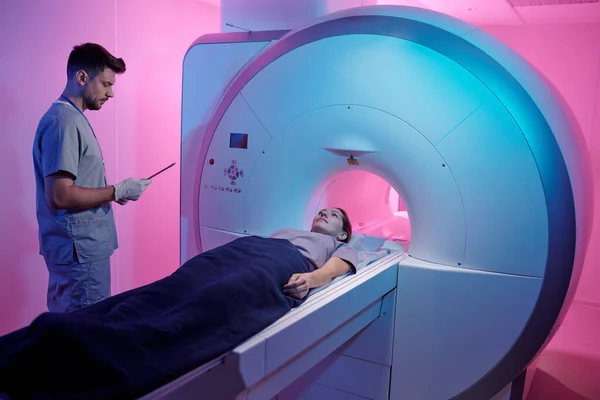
(480,147)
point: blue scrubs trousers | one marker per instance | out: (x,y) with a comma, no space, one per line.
(74,286)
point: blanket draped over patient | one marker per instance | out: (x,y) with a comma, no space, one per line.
(134,342)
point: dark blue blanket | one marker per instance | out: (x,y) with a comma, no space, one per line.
(134,342)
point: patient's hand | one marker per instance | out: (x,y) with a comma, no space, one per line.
(298,285)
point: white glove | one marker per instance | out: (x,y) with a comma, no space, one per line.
(131,189)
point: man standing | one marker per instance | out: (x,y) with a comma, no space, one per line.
(76,225)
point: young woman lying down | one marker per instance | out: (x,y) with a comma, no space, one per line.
(131,343)
(325,247)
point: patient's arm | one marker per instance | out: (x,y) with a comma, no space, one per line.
(334,267)
(299,284)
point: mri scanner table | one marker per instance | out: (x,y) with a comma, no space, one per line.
(267,363)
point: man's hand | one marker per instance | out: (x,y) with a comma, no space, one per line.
(298,285)
(122,202)
(131,189)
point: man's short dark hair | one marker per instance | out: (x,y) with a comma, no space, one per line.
(94,59)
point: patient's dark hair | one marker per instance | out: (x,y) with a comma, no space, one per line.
(94,59)
(346,225)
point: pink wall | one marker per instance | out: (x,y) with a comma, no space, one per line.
(285,14)
(35,40)
(153,39)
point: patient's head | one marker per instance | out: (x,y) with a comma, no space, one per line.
(333,222)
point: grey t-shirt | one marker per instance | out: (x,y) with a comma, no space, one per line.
(64,140)
(317,247)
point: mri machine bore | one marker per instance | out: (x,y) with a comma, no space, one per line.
(480,147)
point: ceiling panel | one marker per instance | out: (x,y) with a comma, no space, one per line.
(488,12)
(479,12)
(526,3)
(561,13)
(412,3)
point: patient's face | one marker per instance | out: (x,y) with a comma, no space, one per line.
(329,222)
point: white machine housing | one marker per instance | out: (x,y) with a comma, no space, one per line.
(483,150)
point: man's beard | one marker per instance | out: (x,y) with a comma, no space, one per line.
(91,105)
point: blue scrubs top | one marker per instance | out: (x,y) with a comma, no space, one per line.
(64,140)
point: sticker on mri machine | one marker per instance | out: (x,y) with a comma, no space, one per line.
(238,140)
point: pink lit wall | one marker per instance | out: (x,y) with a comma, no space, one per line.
(138,131)
(153,36)
(258,15)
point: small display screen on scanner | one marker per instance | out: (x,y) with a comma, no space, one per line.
(238,140)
